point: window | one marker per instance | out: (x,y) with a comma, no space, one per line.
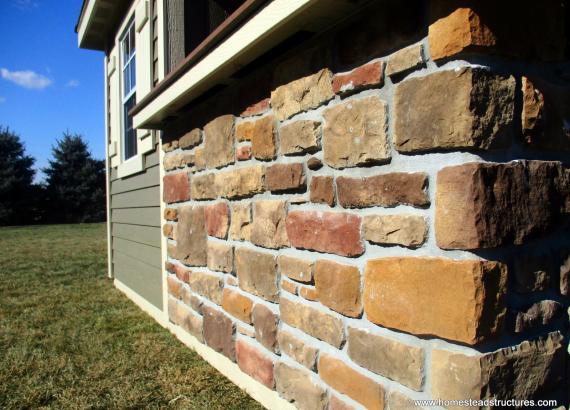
(128,54)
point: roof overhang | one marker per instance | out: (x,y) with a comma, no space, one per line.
(98,21)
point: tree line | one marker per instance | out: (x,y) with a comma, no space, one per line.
(73,190)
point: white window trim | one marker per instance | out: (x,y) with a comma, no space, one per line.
(126,65)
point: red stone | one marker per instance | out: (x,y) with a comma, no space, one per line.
(243,153)
(368,75)
(257,108)
(253,362)
(217,220)
(176,188)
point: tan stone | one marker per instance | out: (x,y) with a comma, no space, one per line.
(338,287)
(297,269)
(265,323)
(469,108)
(237,305)
(404,230)
(220,257)
(300,137)
(200,158)
(219,142)
(174,286)
(336,403)
(414,295)
(168,231)
(299,387)
(525,371)
(302,94)
(263,138)
(192,300)
(191,139)
(399,401)
(244,131)
(345,379)
(240,182)
(355,133)
(289,287)
(182,316)
(322,190)
(268,229)
(219,331)
(309,293)
(312,321)
(255,363)
(203,187)
(257,273)
(240,226)
(405,60)
(285,177)
(171,214)
(208,285)
(388,357)
(298,349)
(173,161)
(191,236)
(170,146)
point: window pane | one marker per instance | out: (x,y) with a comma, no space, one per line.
(126,81)
(133,74)
(132,39)
(130,133)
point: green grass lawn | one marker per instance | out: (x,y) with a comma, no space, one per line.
(69,339)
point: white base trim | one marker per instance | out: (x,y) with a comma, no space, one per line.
(266,397)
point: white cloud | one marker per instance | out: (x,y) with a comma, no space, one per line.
(72,84)
(26,4)
(26,79)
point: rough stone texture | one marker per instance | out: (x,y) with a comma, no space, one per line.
(338,287)
(322,190)
(387,357)
(475,289)
(314,164)
(565,277)
(298,386)
(268,229)
(200,158)
(527,199)
(468,108)
(257,273)
(244,131)
(176,188)
(237,305)
(328,232)
(208,285)
(532,273)
(203,187)
(240,227)
(171,214)
(300,137)
(297,269)
(265,323)
(263,138)
(347,380)
(309,293)
(314,322)
(336,403)
(219,142)
(192,239)
(241,182)
(191,139)
(524,371)
(399,401)
(257,108)
(243,153)
(173,161)
(185,318)
(404,230)
(387,190)
(289,287)
(355,133)
(253,362)
(168,231)
(542,313)
(217,220)
(303,94)
(285,177)
(219,332)
(170,146)
(298,349)
(366,76)
(406,59)
(174,286)
(192,300)
(181,272)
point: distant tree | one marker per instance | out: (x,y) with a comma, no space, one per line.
(75,183)
(16,180)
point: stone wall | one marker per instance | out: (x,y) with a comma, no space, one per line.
(392,226)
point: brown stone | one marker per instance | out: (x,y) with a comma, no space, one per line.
(338,287)
(188,159)
(268,229)
(200,158)
(168,231)
(185,318)
(285,177)
(231,280)
(240,227)
(533,273)
(219,332)
(322,190)
(383,190)
(400,401)
(328,232)
(237,305)
(176,188)
(345,379)
(257,273)
(405,60)
(217,220)
(289,287)
(263,138)
(480,205)
(404,230)
(525,371)
(220,257)
(476,290)
(174,286)
(170,146)
(298,349)
(309,293)
(387,357)
(203,187)
(208,285)
(171,214)
(298,386)
(255,363)
(241,182)
(244,131)
(542,313)
(370,75)
(314,322)
(243,153)
(265,323)
(469,108)
(355,133)
(173,161)
(300,137)
(191,236)
(297,269)
(565,277)
(219,142)
(191,139)
(257,108)
(314,164)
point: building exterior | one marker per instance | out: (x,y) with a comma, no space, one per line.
(346,203)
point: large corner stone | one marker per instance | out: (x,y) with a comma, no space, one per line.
(191,236)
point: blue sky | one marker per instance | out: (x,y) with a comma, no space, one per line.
(47,84)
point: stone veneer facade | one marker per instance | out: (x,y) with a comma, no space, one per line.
(389,231)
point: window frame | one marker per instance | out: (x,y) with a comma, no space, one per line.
(128,62)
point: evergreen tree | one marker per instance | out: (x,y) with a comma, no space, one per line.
(75,183)
(16,178)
